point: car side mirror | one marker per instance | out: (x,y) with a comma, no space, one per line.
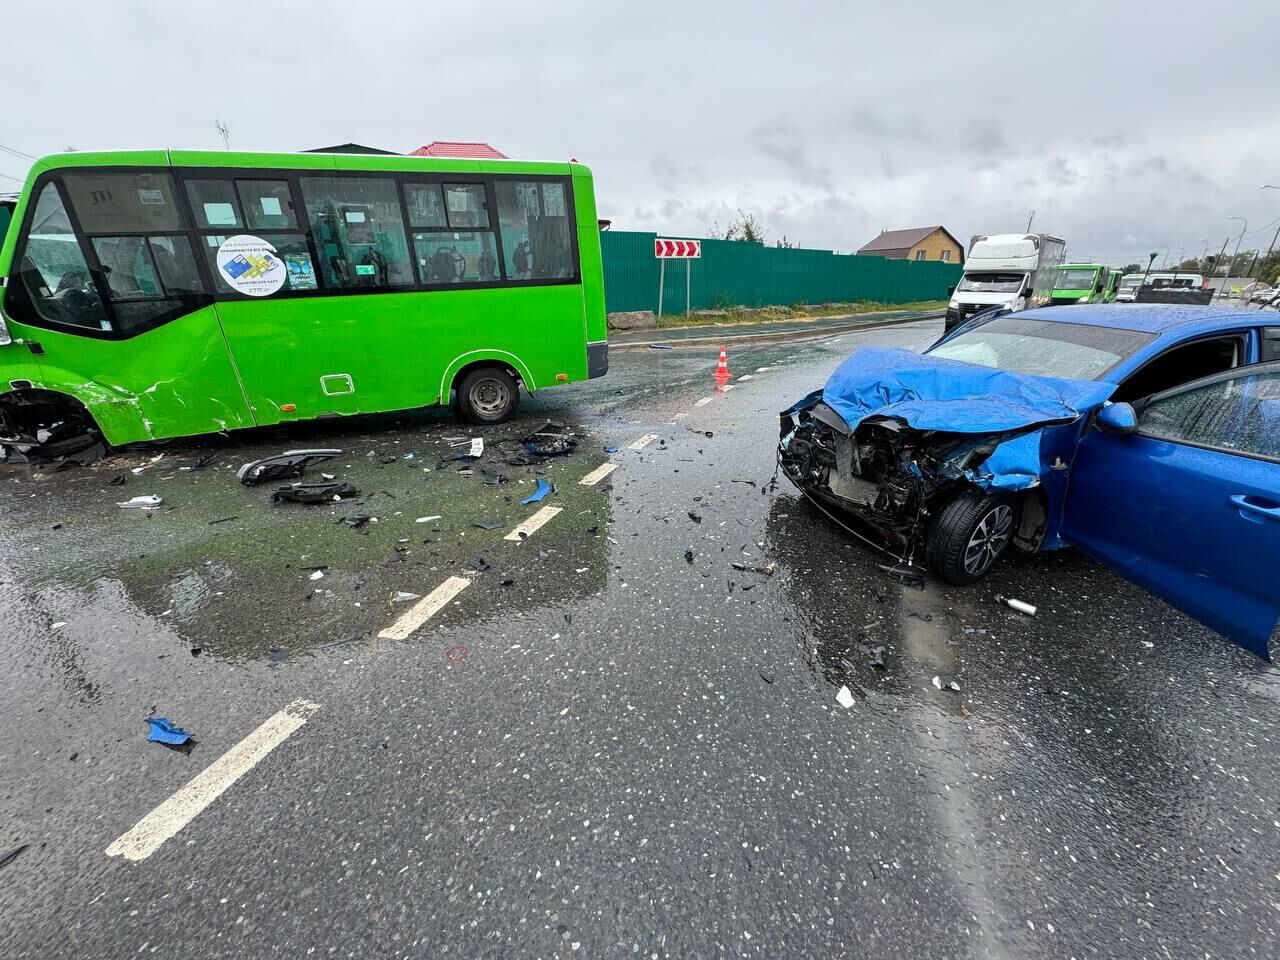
(1118,418)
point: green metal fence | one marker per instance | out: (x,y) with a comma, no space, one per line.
(731,273)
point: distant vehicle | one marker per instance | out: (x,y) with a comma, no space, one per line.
(1127,292)
(171,293)
(1262,293)
(1189,281)
(1013,270)
(1150,439)
(1083,283)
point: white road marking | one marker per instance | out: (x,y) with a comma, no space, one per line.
(762,369)
(533,523)
(679,416)
(206,786)
(704,401)
(643,442)
(598,474)
(745,376)
(425,609)
(729,386)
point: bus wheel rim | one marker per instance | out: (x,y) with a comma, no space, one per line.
(490,397)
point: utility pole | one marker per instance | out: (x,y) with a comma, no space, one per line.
(1216,263)
(226,134)
(1031,215)
(1232,265)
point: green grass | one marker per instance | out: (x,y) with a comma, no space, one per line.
(732,315)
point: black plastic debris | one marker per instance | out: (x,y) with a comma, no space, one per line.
(551,440)
(282,466)
(223,520)
(766,679)
(767,570)
(695,517)
(119,480)
(493,477)
(313,492)
(9,856)
(877,658)
(277,655)
(908,576)
(387,459)
(355,521)
(688,555)
(479,564)
(196,651)
(492,524)
(204,461)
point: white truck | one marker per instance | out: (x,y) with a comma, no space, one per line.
(1014,270)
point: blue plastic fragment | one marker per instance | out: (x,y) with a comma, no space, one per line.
(162,731)
(610,449)
(543,489)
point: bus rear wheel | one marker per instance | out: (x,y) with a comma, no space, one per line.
(488,395)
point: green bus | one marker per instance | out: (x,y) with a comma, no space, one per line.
(170,293)
(1084,283)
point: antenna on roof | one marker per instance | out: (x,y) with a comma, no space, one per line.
(1031,215)
(226,134)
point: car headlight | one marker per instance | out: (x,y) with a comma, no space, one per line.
(1083,300)
(954,303)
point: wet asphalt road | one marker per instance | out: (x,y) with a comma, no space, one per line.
(636,755)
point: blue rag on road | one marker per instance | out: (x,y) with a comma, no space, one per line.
(162,731)
(543,489)
(930,393)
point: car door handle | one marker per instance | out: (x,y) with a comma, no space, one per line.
(1245,503)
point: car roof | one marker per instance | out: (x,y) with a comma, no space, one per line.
(1145,317)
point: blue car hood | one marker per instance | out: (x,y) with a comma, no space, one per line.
(930,393)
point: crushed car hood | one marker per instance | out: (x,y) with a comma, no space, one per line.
(930,393)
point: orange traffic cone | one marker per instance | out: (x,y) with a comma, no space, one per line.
(722,368)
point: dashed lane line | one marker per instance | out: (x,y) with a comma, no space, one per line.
(745,376)
(598,474)
(206,786)
(425,609)
(532,524)
(643,442)
(704,401)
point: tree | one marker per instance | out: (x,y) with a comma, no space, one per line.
(745,229)
(1132,268)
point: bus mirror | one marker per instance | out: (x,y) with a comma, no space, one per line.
(950,291)
(5,339)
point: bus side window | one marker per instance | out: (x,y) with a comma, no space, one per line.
(358,232)
(534,223)
(52,272)
(453,239)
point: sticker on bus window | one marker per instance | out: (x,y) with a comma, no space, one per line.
(151,196)
(219,214)
(270,206)
(302,275)
(251,266)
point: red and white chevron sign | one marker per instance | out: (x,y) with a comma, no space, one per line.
(677,249)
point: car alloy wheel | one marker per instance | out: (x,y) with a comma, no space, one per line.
(988,540)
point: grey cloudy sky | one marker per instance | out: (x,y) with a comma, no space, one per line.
(1128,127)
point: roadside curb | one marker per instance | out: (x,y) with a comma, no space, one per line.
(764,337)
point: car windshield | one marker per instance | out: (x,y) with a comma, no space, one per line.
(1075,279)
(1131,283)
(990,283)
(1043,348)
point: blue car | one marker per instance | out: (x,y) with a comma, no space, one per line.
(1147,436)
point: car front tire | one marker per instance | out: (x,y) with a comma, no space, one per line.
(969,535)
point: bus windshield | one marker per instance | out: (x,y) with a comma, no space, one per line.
(221,290)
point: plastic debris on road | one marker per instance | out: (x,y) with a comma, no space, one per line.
(543,489)
(282,466)
(313,492)
(428,519)
(404,596)
(164,731)
(610,449)
(477,447)
(317,575)
(146,502)
(9,856)
(493,524)
(949,685)
(551,440)
(845,698)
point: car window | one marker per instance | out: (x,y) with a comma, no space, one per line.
(1271,343)
(1240,415)
(1043,348)
(1183,364)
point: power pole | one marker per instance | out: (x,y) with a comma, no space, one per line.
(1217,263)
(1031,215)
(226,134)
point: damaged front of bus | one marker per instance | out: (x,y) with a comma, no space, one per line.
(939,462)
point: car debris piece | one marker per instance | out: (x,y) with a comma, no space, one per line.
(119,480)
(282,466)
(477,448)
(355,521)
(543,489)
(845,697)
(877,658)
(427,519)
(1027,608)
(696,518)
(551,440)
(910,576)
(610,449)
(313,492)
(144,502)
(316,575)
(950,685)
(493,524)
(767,569)
(164,731)
(404,596)
(9,856)
(479,564)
